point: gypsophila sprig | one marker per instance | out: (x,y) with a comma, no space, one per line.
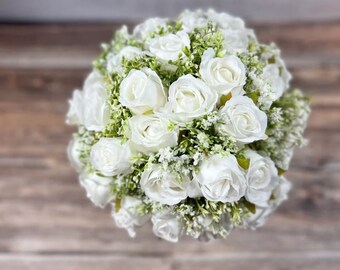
(190,124)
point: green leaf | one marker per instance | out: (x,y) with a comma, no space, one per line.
(182,135)
(280,171)
(254,96)
(221,53)
(224,99)
(118,204)
(243,162)
(148,112)
(272,60)
(250,206)
(186,51)
(272,197)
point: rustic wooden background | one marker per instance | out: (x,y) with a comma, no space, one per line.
(46,222)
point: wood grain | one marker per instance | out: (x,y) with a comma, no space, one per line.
(226,261)
(136,10)
(57,46)
(46,222)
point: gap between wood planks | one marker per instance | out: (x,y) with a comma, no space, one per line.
(84,256)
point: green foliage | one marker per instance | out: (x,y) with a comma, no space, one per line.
(192,211)
(254,62)
(152,62)
(119,114)
(200,39)
(200,136)
(250,206)
(224,99)
(170,28)
(287,131)
(243,162)
(129,184)
(87,139)
(253,58)
(121,39)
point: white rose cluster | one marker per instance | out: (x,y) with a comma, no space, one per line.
(186,124)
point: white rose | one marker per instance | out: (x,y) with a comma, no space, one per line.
(110,157)
(258,219)
(192,19)
(163,186)
(236,35)
(150,133)
(142,91)
(96,109)
(127,216)
(280,193)
(144,29)
(73,152)
(169,47)
(226,21)
(98,188)
(194,189)
(225,75)
(275,74)
(166,226)
(189,98)
(285,74)
(242,120)
(261,176)
(75,112)
(221,179)
(236,41)
(114,61)
(278,79)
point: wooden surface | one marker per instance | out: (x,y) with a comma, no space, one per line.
(134,10)
(46,221)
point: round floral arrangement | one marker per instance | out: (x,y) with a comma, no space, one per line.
(189,124)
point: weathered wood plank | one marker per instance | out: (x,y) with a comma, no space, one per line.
(293,37)
(108,10)
(82,262)
(86,236)
(301,37)
(57,46)
(79,36)
(46,221)
(243,260)
(39,85)
(263,263)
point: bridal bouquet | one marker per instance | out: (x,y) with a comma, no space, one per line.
(190,124)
